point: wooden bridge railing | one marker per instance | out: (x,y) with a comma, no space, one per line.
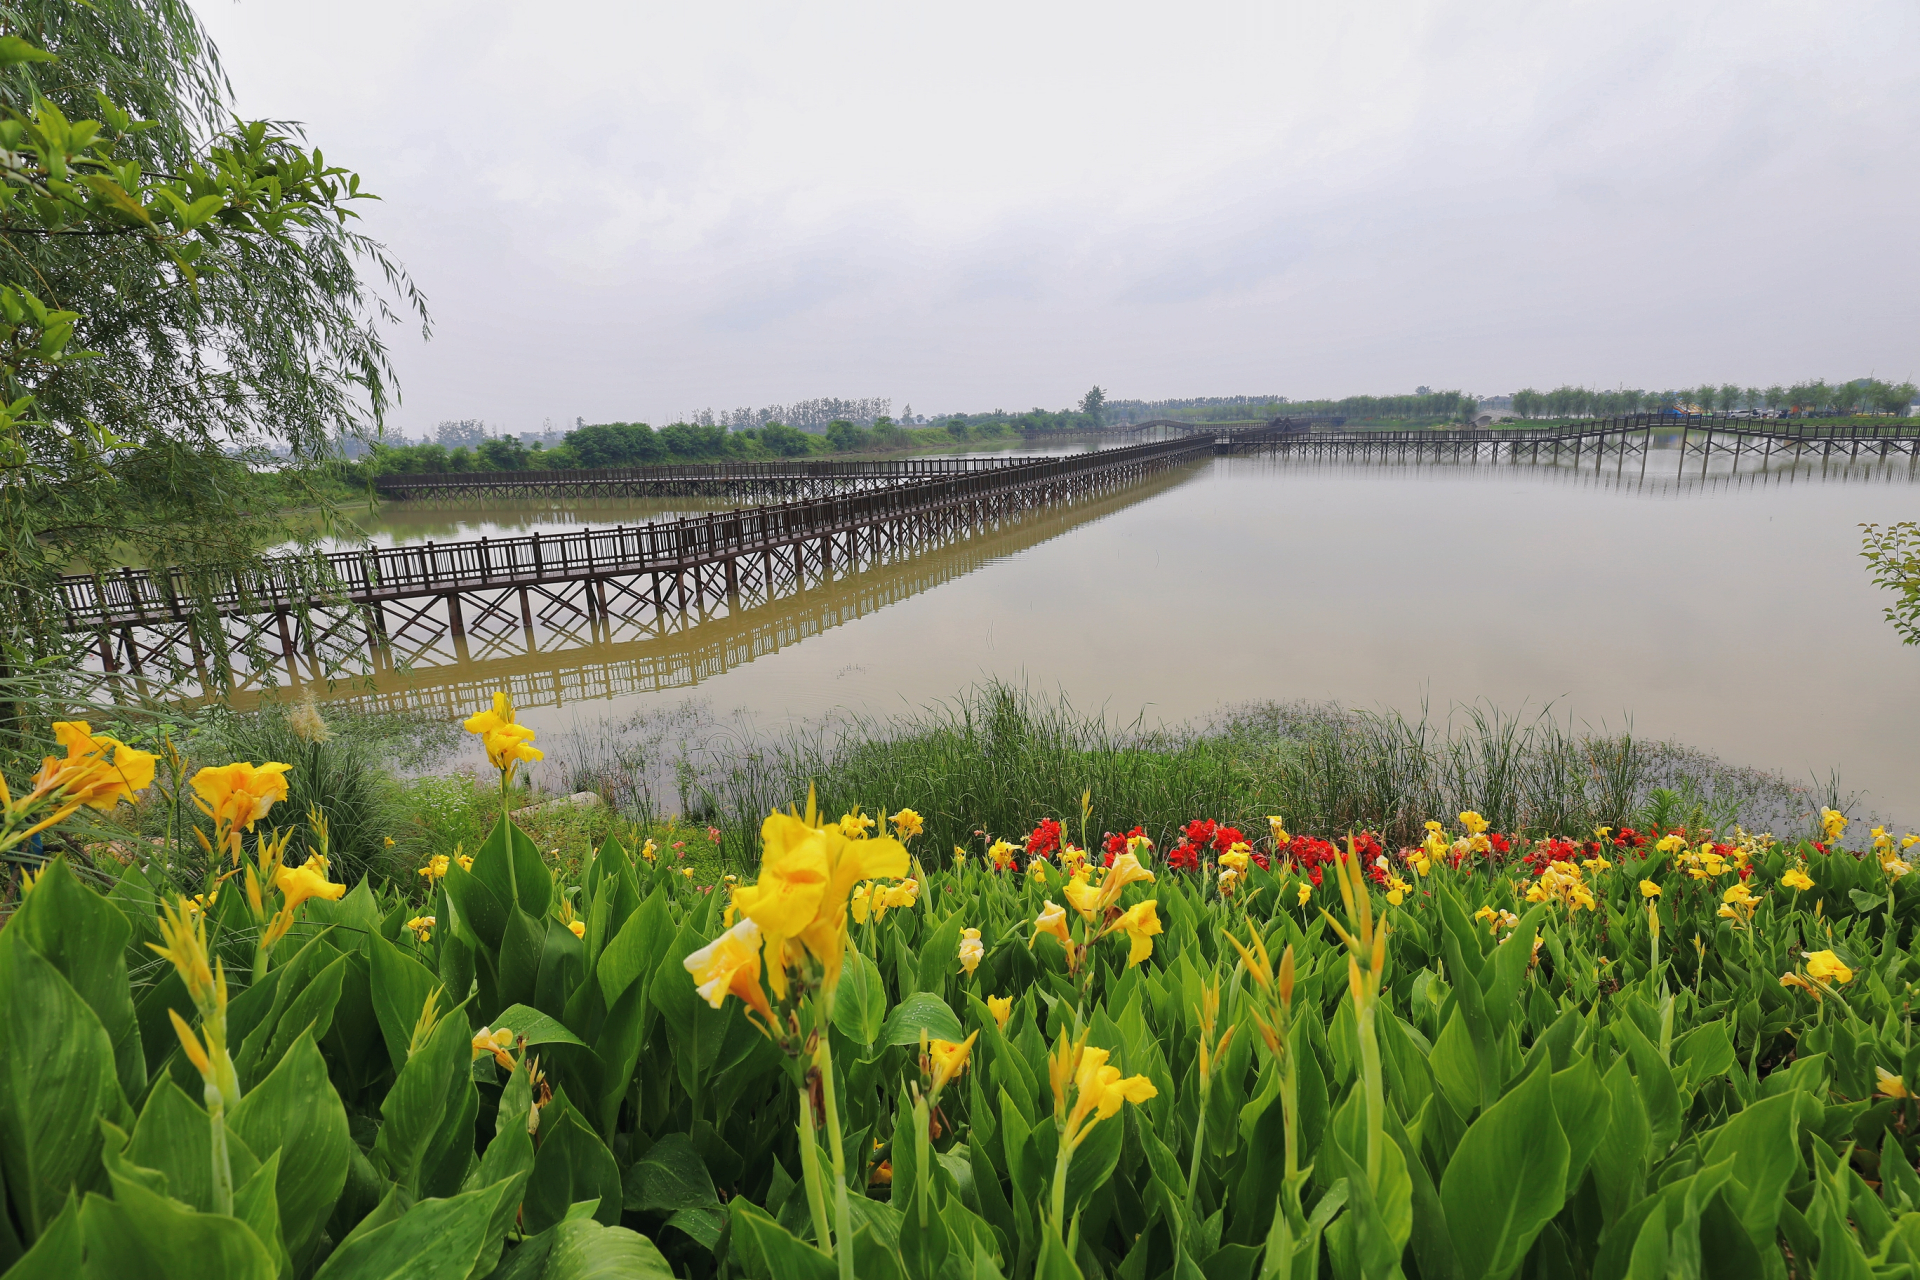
(1778,428)
(904,470)
(376,574)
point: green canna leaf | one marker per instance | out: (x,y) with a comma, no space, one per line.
(1506,1181)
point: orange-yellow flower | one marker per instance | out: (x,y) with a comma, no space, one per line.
(807,871)
(949,1060)
(297,884)
(506,742)
(98,770)
(730,965)
(1079,1072)
(1827,967)
(1001,1007)
(1140,923)
(238,795)
(488,1041)
(1053,919)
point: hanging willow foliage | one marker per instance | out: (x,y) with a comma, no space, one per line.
(178,290)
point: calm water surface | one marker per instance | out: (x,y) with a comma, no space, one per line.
(1731,612)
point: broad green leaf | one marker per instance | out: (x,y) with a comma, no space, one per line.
(1657,1087)
(670,1176)
(770,1251)
(1507,1179)
(860,1004)
(635,951)
(84,936)
(1762,1144)
(401,986)
(57,1080)
(309,1013)
(921,1012)
(143,1235)
(478,910)
(174,1135)
(1620,1161)
(295,1111)
(57,1254)
(940,954)
(535,1027)
(572,1166)
(434,1240)
(423,1098)
(583,1249)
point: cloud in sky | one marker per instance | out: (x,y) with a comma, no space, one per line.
(633,211)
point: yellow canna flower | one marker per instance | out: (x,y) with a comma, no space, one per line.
(1795,980)
(422,927)
(807,872)
(907,824)
(1833,823)
(1277,827)
(1397,890)
(1670,844)
(1002,854)
(98,770)
(1001,1007)
(1053,919)
(1597,865)
(238,795)
(506,743)
(307,881)
(949,1060)
(1797,879)
(730,965)
(1305,893)
(1140,922)
(854,825)
(1825,966)
(436,868)
(1086,1090)
(1648,889)
(1081,896)
(861,903)
(1472,823)
(1601,833)
(488,1041)
(901,895)
(1236,858)
(1889,1085)
(971,950)
(577,927)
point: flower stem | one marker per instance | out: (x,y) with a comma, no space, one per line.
(1376,1093)
(842,1212)
(1199,1145)
(1060,1164)
(810,1171)
(222,1167)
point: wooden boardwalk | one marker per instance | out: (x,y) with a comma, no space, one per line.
(1697,435)
(655,650)
(325,612)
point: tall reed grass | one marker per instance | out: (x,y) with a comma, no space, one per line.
(999,758)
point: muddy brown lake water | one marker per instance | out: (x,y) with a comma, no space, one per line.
(1727,610)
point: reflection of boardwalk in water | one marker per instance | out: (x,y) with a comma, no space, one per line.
(1665,469)
(650,651)
(168,633)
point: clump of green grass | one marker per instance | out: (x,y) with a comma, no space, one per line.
(998,759)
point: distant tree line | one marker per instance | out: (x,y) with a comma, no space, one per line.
(1861,395)
(807,415)
(1422,405)
(631,444)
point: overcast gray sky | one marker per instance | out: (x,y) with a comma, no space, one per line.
(630,211)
